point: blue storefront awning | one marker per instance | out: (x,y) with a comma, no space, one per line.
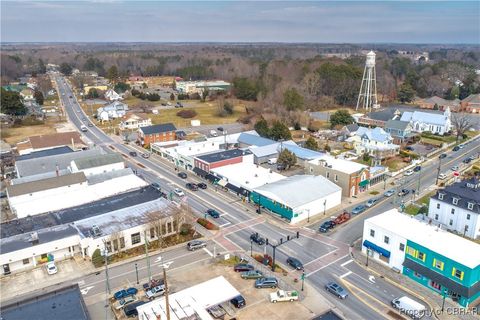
(376,248)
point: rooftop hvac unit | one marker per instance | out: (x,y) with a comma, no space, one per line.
(96,232)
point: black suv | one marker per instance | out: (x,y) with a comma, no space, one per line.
(238,302)
(294,262)
(241,267)
(182,175)
(191,186)
(133,153)
(202,185)
(255,237)
(327,225)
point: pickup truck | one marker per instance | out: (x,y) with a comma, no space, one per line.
(282,295)
(154,292)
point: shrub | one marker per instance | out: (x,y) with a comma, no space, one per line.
(97,259)
(186,114)
(206,224)
(374,192)
(185,229)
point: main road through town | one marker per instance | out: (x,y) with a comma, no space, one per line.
(325,257)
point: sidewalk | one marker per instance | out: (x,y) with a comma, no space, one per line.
(431,298)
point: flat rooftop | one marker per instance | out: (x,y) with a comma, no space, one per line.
(222,155)
(65,216)
(248,175)
(63,303)
(454,247)
(341,165)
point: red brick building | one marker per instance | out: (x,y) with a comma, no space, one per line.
(157,133)
(471,104)
(222,158)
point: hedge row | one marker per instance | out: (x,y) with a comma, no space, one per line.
(206,224)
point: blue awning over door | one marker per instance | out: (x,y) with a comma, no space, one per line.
(376,248)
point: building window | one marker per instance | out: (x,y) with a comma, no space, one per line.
(470,206)
(435,285)
(452,211)
(466,228)
(438,205)
(386,239)
(115,244)
(401,247)
(468,216)
(440,196)
(109,246)
(418,275)
(455,200)
(411,252)
(311,169)
(436,217)
(135,238)
(421,256)
(450,222)
(152,233)
(328,175)
(438,264)
(43,256)
(122,242)
(336,177)
(457,273)
(372,233)
(26,261)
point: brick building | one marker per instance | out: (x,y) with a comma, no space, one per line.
(157,133)
(209,161)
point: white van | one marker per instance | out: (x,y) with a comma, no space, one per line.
(272,161)
(409,307)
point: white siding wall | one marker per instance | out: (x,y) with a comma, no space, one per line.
(458,218)
(396,255)
(102,169)
(316,207)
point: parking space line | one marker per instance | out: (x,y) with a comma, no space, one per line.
(345,263)
(208,251)
(345,274)
(225,224)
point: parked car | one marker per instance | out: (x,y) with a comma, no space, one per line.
(337,290)
(472,157)
(154,292)
(241,267)
(282,295)
(281,166)
(51,268)
(409,172)
(213,213)
(359,209)
(156,186)
(191,186)
(253,274)
(131,309)
(202,185)
(467,160)
(238,302)
(145,155)
(370,203)
(178,105)
(409,148)
(196,244)
(417,168)
(403,192)
(389,193)
(456,148)
(255,237)
(90,124)
(454,168)
(121,294)
(270,282)
(327,225)
(133,153)
(295,263)
(182,175)
(443,155)
(120,304)
(179,192)
(442,176)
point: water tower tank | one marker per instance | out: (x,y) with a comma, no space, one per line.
(370,59)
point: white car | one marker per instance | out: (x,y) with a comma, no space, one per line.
(51,268)
(454,168)
(408,172)
(179,192)
(442,176)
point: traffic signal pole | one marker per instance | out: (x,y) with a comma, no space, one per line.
(274,247)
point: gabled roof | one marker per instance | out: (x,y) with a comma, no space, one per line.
(376,134)
(383,115)
(467,191)
(254,140)
(98,161)
(46,184)
(158,128)
(55,140)
(473,98)
(298,190)
(424,117)
(397,124)
(442,102)
(303,153)
(45,153)
(352,127)
(269,149)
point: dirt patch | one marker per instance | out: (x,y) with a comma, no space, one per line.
(19,133)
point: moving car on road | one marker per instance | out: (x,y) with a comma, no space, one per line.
(327,225)
(182,175)
(133,153)
(270,282)
(409,306)
(337,290)
(242,267)
(417,168)
(359,209)
(443,155)
(179,192)
(442,176)
(389,193)
(295,263)
(202,185)
(454,168)
(196,244)
(255,237)
(254,274)
(145,155)
(408,172)
(456,148)
(191,186)
(403,192)
(213,213)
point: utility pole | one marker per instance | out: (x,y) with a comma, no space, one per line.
(167,305)
(438,169)
(106,266)
(146,256)
(274,247)
(136,272)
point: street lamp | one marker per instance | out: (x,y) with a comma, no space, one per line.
(325,207)
(443,300)
(368,253)
(308,215)
(251,248)
(303,278)
(136,272)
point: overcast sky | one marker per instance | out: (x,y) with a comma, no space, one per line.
(237,21)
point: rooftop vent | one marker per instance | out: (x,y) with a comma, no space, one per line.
(96,232)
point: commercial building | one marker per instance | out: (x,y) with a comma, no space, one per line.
(264,153)
(429,121)
(50,141)
(190,303)
(190,87)
(298,197)
(182,153)
(439,260)
(209,161)
(157,133)
(116,223)
(457,208)
(352,177)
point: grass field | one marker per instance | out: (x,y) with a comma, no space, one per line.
(14,135)
(431,141)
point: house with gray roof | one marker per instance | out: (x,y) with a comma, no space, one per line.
(98,164)
(401,131)
(111,111)
(375,142)
(428,122)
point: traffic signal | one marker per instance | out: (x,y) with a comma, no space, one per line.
(288,238)
(298,234)
(266,241)
(281,240)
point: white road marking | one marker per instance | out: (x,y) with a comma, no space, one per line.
(328,264)
(208,251)
(345,263)
(166,265)
(158,259)
(84,291)
(316,259)
(345,274)
(80,283)
(372,279)
(225,224)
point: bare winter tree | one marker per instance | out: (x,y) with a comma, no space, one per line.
(461,123)
(114,239)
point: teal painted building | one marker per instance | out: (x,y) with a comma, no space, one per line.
(447,277)
(277,207)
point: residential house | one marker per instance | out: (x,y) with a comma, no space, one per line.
(156,133)
(375,142)
(135,121)
(378,118)
(349,130)
(111,95)
(437,103)
(351,176)
(49,141)
(111,111)
(27,93)
(298,198)
(445,263)
(401,131)
(471,104)
(457,207)
(428,122)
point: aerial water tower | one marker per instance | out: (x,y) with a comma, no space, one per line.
(367,98)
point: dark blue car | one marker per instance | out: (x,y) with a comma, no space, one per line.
(125,293)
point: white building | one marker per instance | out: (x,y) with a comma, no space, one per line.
(428,121)
(135,121)
(111,111)
(190,87)
(376,142)
(111,95)
(98,164)
(190,303)
(457,208)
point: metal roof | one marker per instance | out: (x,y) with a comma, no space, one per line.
(222,155)
(397,124)
(270,149)
(254,140)
(45,153)
(46,184)
(303,153)
(98,161)
(424,117)
(307,188)
(158,128)
(376,134)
